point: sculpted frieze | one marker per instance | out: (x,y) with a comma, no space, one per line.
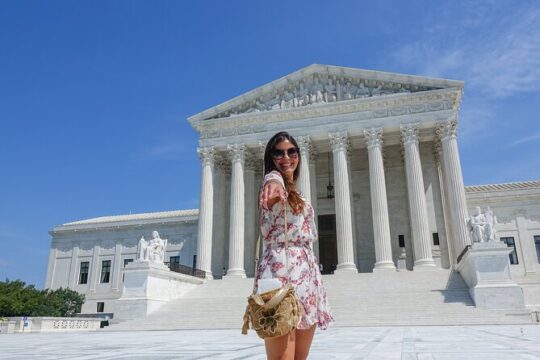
(318,89)
(214,128)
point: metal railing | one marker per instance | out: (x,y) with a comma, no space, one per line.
(187,270)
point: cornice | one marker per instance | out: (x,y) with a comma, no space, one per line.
(121,221)
(523,185)
(364,109)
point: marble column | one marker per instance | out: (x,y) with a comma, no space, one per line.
(457,203)
(447,252)
(379,202)
(251,213)
(95,267)
(117,267)
(73,270)
(417,199)
(206,212)
(51,266)
(339,143)
(303,182)
(236,230)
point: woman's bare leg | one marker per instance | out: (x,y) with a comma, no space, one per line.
(281,347)
(303,343)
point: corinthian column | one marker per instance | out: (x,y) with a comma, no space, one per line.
(236,230)
(251,218)
(339,144)
(379,202)
(206,211)
(447,253)
(417,199)
(304,184)
(454,181)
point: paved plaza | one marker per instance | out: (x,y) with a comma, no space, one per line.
(420,342)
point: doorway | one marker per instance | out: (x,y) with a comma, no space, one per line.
(327,243)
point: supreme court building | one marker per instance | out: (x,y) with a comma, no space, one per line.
(380,164)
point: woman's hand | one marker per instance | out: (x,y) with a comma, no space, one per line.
(272,193)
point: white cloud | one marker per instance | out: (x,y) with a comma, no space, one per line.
(525,139)
(495,50)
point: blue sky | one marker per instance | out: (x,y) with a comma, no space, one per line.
(94,95)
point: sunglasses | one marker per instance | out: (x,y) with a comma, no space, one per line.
(280,154)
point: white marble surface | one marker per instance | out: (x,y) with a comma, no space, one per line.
(428,342)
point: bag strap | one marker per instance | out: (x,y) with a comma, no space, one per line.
(257,246)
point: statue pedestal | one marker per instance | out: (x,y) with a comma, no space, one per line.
(148,286)
(486,270)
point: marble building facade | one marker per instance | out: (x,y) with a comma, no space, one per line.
(386,143)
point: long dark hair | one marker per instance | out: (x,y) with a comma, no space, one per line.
(294,198)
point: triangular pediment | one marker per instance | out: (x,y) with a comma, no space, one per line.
(322,84)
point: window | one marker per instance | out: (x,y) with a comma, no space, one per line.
(509,241)
(105,271)
(537,244)
(83,272)
(436,239)
(401,239)
(100,307)
(174,259)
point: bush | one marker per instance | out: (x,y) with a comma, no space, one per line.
(19,299)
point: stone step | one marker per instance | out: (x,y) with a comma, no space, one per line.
(398,298)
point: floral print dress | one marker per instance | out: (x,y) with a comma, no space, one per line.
(304,272)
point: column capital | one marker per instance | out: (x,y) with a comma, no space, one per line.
(409,133)
(236,152)
(447,129)
(304,144)
(206,155)
(261,149)
(374,138)
(339,141)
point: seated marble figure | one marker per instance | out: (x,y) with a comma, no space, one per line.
(153,250)
(482,225)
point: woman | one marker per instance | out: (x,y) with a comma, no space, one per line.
(281,167)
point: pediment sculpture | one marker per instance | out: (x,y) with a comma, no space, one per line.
(152,251)
(317,89)
(482,225)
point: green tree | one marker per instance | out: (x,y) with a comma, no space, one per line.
(19,299)
(65,302)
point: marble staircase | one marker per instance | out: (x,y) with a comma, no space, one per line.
(437,297)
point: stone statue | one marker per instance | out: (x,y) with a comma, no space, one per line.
(362,91)
(317,92)
(346,91)
(154,250)
(287,100)
(401,89)
(330,94)
(482,226)
(274,102)
(377,91)
(302,96)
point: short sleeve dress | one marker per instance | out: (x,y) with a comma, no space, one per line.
(304,271)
